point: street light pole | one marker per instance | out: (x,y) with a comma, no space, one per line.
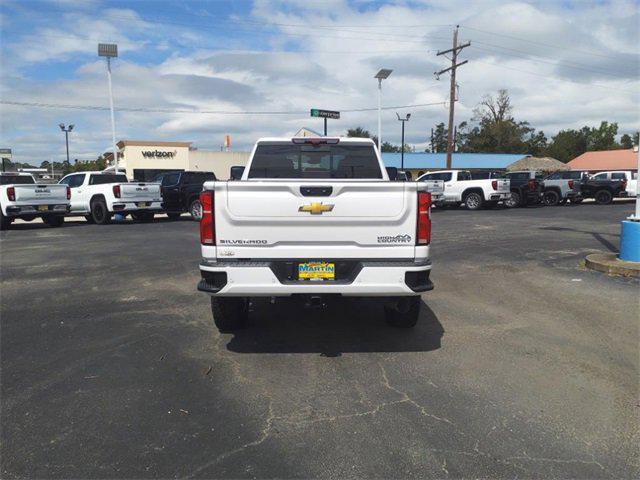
(406,119)
(381,75)
(110,50)
(66,131)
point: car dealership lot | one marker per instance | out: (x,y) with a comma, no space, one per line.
(522,364)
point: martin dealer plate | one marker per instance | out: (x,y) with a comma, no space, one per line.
(316,271)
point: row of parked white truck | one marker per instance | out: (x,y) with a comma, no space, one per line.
(98,196)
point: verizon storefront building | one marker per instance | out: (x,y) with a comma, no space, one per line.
(143,160)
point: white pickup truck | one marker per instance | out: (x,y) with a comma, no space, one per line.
(21,197)
(100,195)
(459,187)
(314,217)
(622,175)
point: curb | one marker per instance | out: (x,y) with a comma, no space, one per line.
(609,263)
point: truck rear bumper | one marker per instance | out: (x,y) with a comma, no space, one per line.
(153,206)
(499,196)
(52,209)
(269,279)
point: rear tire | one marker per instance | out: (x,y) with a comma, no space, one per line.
(99,212)
(53,220)
(28,218)
(551,198)
(88,218)
(195,210)
(603,197)
(473,201)
(404,312)
(5,222)
(513,201)
(230,313)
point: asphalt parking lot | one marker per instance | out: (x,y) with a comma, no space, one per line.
(523,363)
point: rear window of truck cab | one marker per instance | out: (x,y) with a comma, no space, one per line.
(289,160)
(16,180)
(102,178)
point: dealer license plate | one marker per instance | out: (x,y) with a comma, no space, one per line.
(43,208)
(316,271)
(142,204)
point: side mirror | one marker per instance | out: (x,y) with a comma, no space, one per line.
(392,172)
(236,172)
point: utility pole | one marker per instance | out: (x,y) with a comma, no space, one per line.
(452,93)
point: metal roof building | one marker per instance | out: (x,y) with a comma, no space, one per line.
(435,161)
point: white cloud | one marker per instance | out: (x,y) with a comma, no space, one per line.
(565,85)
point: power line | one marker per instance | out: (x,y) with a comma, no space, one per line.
(206,112)
(523,53)
(548,77)
(549,45)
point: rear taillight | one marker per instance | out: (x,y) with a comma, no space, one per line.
(570,184)
(532,184)
(494,184)
(423,236)
(208,221)
(68,192)
(11,193)
(116,191)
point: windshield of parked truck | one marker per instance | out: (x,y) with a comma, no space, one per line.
(315,161)
(16,180)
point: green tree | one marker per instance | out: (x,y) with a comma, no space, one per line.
(496,130)
(603,137)
(567,144)
(358,132)
(439,140)
(628,141)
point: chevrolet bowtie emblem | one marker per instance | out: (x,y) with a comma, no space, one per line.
(316,208)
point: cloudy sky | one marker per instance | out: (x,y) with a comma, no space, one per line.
(565,63)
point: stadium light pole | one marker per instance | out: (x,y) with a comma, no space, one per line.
(66,131)
(383,74)
(403,120)
(110,50)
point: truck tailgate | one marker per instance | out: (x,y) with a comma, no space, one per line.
(504,185)
(135,191)
(435,187)
(41,194)
(293,219)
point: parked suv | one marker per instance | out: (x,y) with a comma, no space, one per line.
(526,188)
(181,192)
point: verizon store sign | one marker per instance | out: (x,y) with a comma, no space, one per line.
(158,154)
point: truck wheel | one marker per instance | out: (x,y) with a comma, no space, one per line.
(173,216)
(229,313)
(576,201)
(195,210)
(513,201)
(403,312)
(551,198)
(603,197)
(473,201)
(53,220)
(99,212)
(28,218)
(88,218)
(5,222)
